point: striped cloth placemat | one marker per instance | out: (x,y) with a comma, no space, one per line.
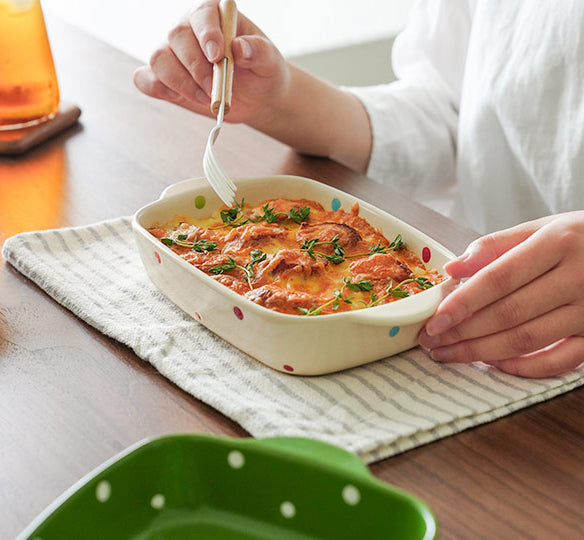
(376,410)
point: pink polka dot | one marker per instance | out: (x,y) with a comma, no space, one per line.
(426,254)
(157,257)
(198,315)
(287,367)
(238,313)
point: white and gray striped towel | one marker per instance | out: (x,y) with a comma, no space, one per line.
(375,411)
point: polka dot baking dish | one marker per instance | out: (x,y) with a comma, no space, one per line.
(299,345)
(202,486)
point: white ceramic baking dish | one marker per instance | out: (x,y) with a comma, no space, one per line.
(293,344)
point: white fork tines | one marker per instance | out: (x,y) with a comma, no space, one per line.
(215,173)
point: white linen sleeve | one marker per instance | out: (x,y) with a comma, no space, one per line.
(414,119)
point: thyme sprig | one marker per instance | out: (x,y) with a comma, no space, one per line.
(195,245)
(423,282)
(338,296)
(398,291)
(361,285)
(297,214)
(338,255)
(256,256)
(365,285)
(396,245)
(226,267)
(233,217)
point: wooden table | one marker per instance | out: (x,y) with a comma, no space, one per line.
(71,398)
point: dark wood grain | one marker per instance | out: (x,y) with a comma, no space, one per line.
(71,398)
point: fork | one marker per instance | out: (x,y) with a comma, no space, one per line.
(220,105)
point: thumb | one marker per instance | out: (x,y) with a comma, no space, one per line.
(488,248)
(257,54)
(470,262)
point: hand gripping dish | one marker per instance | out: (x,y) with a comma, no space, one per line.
(199,486)
(289,343)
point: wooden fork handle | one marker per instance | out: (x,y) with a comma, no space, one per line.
(228,13)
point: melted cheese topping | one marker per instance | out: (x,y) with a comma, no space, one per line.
(287,278)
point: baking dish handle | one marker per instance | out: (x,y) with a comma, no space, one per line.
(316,451)
(183,186)
(415,309)
(412,310)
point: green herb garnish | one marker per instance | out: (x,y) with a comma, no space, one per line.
(396,245)
(195,245)
(398,291)
(338,255)
(335,301)
(362,285)
(221,268)
(423,282)
(268,214)
(233,217)
(256,256)
(365,285)
(296,214)
(202,245)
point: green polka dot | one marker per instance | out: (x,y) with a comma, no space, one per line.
(335,204)
(393,332)
(200,201)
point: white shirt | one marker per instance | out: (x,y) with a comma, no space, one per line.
(486,120)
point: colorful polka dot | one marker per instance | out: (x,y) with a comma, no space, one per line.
(157,256)
(393,331)
(426,254)
(351,495)
(236,459)
(200,202)
(335,204)
(287,367)
(158,501)
(287,509)
(238,313)
(103,491)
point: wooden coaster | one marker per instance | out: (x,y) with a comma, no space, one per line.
(19,141)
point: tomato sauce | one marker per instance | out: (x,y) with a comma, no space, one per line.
(295,257)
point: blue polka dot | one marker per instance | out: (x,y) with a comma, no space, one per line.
(335,204)
(394,331)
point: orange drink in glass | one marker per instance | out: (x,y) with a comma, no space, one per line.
(29,93)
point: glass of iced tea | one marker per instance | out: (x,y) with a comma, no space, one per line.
(29,93)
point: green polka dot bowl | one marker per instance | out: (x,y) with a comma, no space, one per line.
(207,487)
(292,344)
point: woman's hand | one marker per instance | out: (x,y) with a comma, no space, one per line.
(269,93)
(522,308)
(181,71)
